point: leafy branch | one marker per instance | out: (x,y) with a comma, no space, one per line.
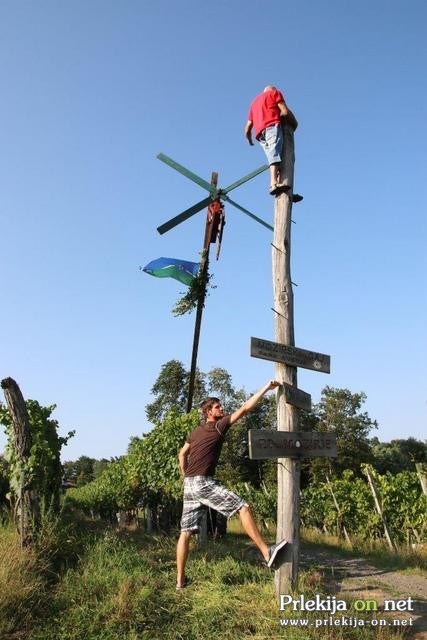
(196,291)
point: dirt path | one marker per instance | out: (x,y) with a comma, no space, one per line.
(355,578)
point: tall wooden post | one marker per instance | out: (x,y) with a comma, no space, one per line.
(204,268)
(289,469)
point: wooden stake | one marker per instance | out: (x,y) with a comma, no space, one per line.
(422,475)
(337,507)
(378,506)
(289,469)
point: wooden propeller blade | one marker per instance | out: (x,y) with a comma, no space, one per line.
(245,178)
(248,213)
(173,222)
(188,174)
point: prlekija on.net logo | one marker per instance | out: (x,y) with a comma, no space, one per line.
(331,604)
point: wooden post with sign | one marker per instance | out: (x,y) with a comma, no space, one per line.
(290,399)
(290,446)
(288,469)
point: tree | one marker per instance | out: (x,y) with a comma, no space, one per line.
(220,384)
(80,471)
(171,389)
(339,412)
(398,455)
(99,467)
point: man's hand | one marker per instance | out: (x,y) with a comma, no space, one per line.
(287,115)
(272,384)
(182,457)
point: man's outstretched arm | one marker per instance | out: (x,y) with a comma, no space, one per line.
(253,400)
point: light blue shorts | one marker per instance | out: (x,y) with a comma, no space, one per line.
(271,140)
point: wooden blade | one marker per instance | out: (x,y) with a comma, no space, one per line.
(248,213)
(188,174)
(181,217)
(245,178)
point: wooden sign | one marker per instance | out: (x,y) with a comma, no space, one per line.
(291,356)
(265,445)
(296,397)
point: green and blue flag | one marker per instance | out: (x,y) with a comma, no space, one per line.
(182,270)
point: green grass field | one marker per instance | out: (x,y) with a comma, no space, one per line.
(121,585)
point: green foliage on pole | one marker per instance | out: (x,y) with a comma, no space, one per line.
(196,292)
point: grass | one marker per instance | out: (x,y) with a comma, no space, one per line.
(22,583)
(121,584)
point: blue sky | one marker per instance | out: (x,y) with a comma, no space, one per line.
(92,91)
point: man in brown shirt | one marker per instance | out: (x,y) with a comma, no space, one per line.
(198,459)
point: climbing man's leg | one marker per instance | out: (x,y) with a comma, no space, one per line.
(251,529)
(274,175)
(271,140)
(273,554)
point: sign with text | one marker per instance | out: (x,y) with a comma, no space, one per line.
(296,397)
(265,445)
(289,355)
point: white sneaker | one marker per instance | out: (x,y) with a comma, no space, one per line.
(273,551)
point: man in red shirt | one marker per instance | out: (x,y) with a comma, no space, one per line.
(198,459)
(264,117)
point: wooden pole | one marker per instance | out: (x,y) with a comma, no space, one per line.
(289,469)
(337,507)
(422,475)
(204,268)
(378,506)
(197,325)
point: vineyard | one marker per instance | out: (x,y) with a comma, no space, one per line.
(147,479)
(111,524)
(144,478)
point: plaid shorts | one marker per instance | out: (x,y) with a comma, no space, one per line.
(201,492)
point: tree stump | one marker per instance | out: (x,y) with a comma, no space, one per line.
(27,507)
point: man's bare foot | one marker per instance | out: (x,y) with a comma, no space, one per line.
(184,584)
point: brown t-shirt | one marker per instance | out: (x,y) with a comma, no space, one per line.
(206,443)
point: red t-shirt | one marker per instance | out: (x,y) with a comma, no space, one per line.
(264,110)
